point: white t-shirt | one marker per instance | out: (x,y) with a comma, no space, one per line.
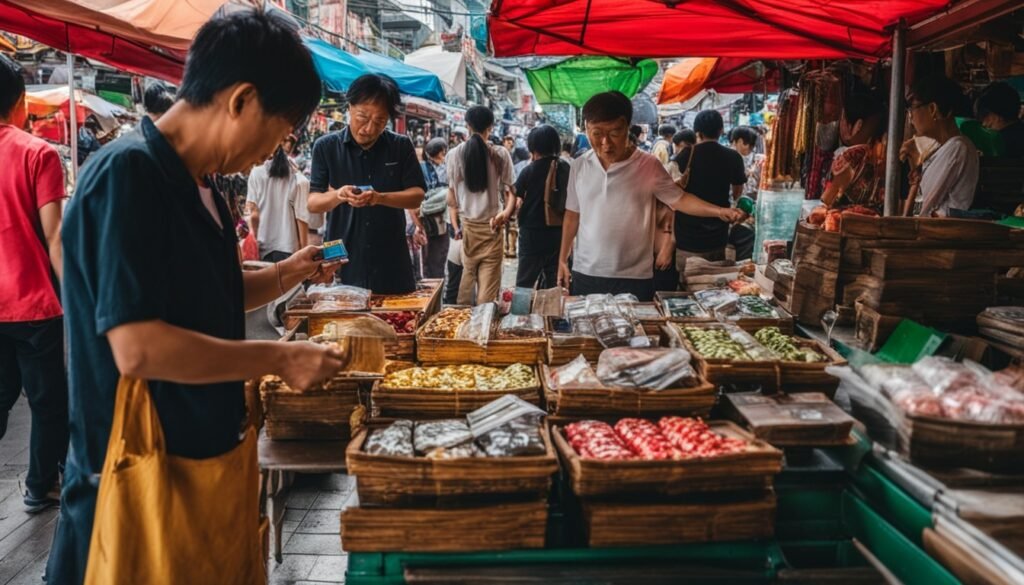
(949,178)
(618,214)
(281,202)
(486,204)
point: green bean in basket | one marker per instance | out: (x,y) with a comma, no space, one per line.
(716,344)
(783,346)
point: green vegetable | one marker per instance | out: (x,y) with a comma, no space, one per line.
(783,346)
(755,306)
(716,344)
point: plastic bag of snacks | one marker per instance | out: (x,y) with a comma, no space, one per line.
(478,328)
(395,439)
(575,374)
(351,298)
(654,368)
(521,326)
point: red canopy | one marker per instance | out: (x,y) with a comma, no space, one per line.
(765,29)
(146,37)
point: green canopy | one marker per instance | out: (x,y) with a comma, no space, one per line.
(575,80)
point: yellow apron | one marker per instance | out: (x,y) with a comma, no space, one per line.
(161,518)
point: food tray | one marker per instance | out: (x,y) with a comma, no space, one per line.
(721,371)
(389,480)
(497,352)
(751,470)
(596,402)
(478,528)
(641,524)
(661,296)
(432,403)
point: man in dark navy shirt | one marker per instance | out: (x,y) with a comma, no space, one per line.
(364,177)
(153,289)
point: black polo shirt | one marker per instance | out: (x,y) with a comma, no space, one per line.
(535,235)
(375,236)
(139,245)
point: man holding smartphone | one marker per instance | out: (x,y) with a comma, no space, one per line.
(364,177)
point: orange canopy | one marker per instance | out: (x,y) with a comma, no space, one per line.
(685,79)
(725,75)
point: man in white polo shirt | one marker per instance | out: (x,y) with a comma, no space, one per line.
(610,209)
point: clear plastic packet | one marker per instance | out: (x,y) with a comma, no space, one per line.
(518,437)
(394,439)
(500,412)
(583,327)
(521,326)
(713,297)
(600,304)
(349,298)
(478,328)
(683,308)
(463,451)
(651,368)
(747,307)
(575,309)
(550,302)
(942,374)
(626,298)
(645,311)
(448,433)
(613,330)
(574,375)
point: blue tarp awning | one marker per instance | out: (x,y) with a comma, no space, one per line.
(338,69)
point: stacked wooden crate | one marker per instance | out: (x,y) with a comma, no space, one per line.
(939,272)
(812,290)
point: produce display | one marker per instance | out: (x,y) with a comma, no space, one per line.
(755,306)
(672,438)
(597,440)
(402,321)
(447,324)
(464,377)
(941,388)
(716,344)
(784,347)
(683,308)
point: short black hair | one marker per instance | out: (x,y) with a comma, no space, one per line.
(544,141)
(567,146)
(862,105)
(519,154)
(251,46)
(940,90)
(685,135)
(157,100)
(435,146)
(998,98)
(375,88)
(745,134)
(666,131)
(608,107)
(636,130)
(709,123)
(12,84)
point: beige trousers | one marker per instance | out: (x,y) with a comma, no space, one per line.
(482,255)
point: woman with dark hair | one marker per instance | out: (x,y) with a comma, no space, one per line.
(541,190)
(430,218)
(858,172)
(276,198)
(479,202)
(944,163)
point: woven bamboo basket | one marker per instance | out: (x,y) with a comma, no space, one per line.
(753,469)
(321,413)
(565,347)
(482,528)
(719,371)
(811,377)
(697,400)
(944,443)
(386,480)
(497,352)
(640,523)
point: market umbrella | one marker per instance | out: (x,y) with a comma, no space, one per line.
(338,69)
(449,67)
(644,110)
(411,80)
(574,81)
(726,75)
(45,100)
(766,29)
(6,45)
(146,37)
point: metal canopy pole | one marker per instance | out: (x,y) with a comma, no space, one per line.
(73,111)
(897,110)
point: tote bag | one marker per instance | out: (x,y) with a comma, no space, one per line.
(161,518)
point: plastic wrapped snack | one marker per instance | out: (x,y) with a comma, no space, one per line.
(645,311)
(447,324)
(478,328)
(575,309)
(583,327)
(348,298)
(520,436)
(549,302)
(649,368)
(683,308)
(521,326)
(747,307)
(394,439)
(614,330)
(943,373)
(440,434)
(601,304)
(462,451)
(714,297)
(574,375)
